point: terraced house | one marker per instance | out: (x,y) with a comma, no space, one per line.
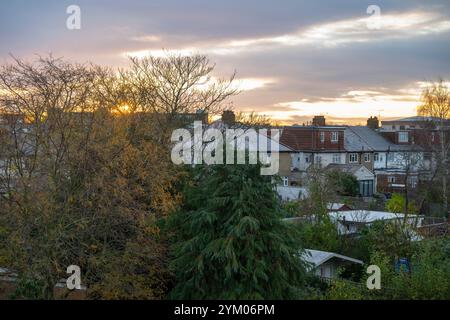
(317,144)
(379,164)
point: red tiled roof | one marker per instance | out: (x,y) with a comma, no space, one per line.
(297,138)
(307,138)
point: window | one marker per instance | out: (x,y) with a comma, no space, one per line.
(403,137)
(432,137)
(376,157)
(307,159)
(402,127)
(334,136)
(318,159)
(322,137)
(393,127)
(353,158)
(413,181)
(367,157)
(336,158)
(390,157)
(285,181)
(391,179)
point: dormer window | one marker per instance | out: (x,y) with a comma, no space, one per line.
(322,137)
(334,136)
(403,136)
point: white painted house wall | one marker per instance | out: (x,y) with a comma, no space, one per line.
(324,159)
(299,161)
(327,270)
(399,160)
(303,160)
(380,163)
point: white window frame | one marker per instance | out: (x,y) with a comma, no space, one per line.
(322,136)
(285,181)
(336,158)
(366,157)
(403,134)
(351,155)
(334,136)
(413,181)
(376,157)
(391,179)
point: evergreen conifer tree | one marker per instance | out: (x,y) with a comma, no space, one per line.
(230,241)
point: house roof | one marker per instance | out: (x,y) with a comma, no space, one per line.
(349,168)
(361,138)
(317,257)
(414,119)
(297,138)
(271,144)
(335,206)
(365,216)
(303,137)
(356,139)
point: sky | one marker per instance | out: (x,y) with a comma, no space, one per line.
(293,58)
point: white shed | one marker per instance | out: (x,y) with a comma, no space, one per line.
(326,264)
(351,222)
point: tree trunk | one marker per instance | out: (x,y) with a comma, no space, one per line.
(444,171)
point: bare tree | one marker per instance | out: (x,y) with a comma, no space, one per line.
(411,162)
(175,85)
(436,105)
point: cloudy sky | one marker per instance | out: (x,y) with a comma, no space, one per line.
(293,58)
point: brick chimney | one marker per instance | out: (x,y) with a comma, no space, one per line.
(319,121)
(373,123)
(228,117)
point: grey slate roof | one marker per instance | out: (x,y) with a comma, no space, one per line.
(414,119)
(361,138)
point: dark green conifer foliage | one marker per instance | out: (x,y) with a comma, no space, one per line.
(230,241)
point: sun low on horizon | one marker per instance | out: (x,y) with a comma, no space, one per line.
(343,60)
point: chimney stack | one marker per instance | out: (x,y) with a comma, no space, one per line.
(319,121)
